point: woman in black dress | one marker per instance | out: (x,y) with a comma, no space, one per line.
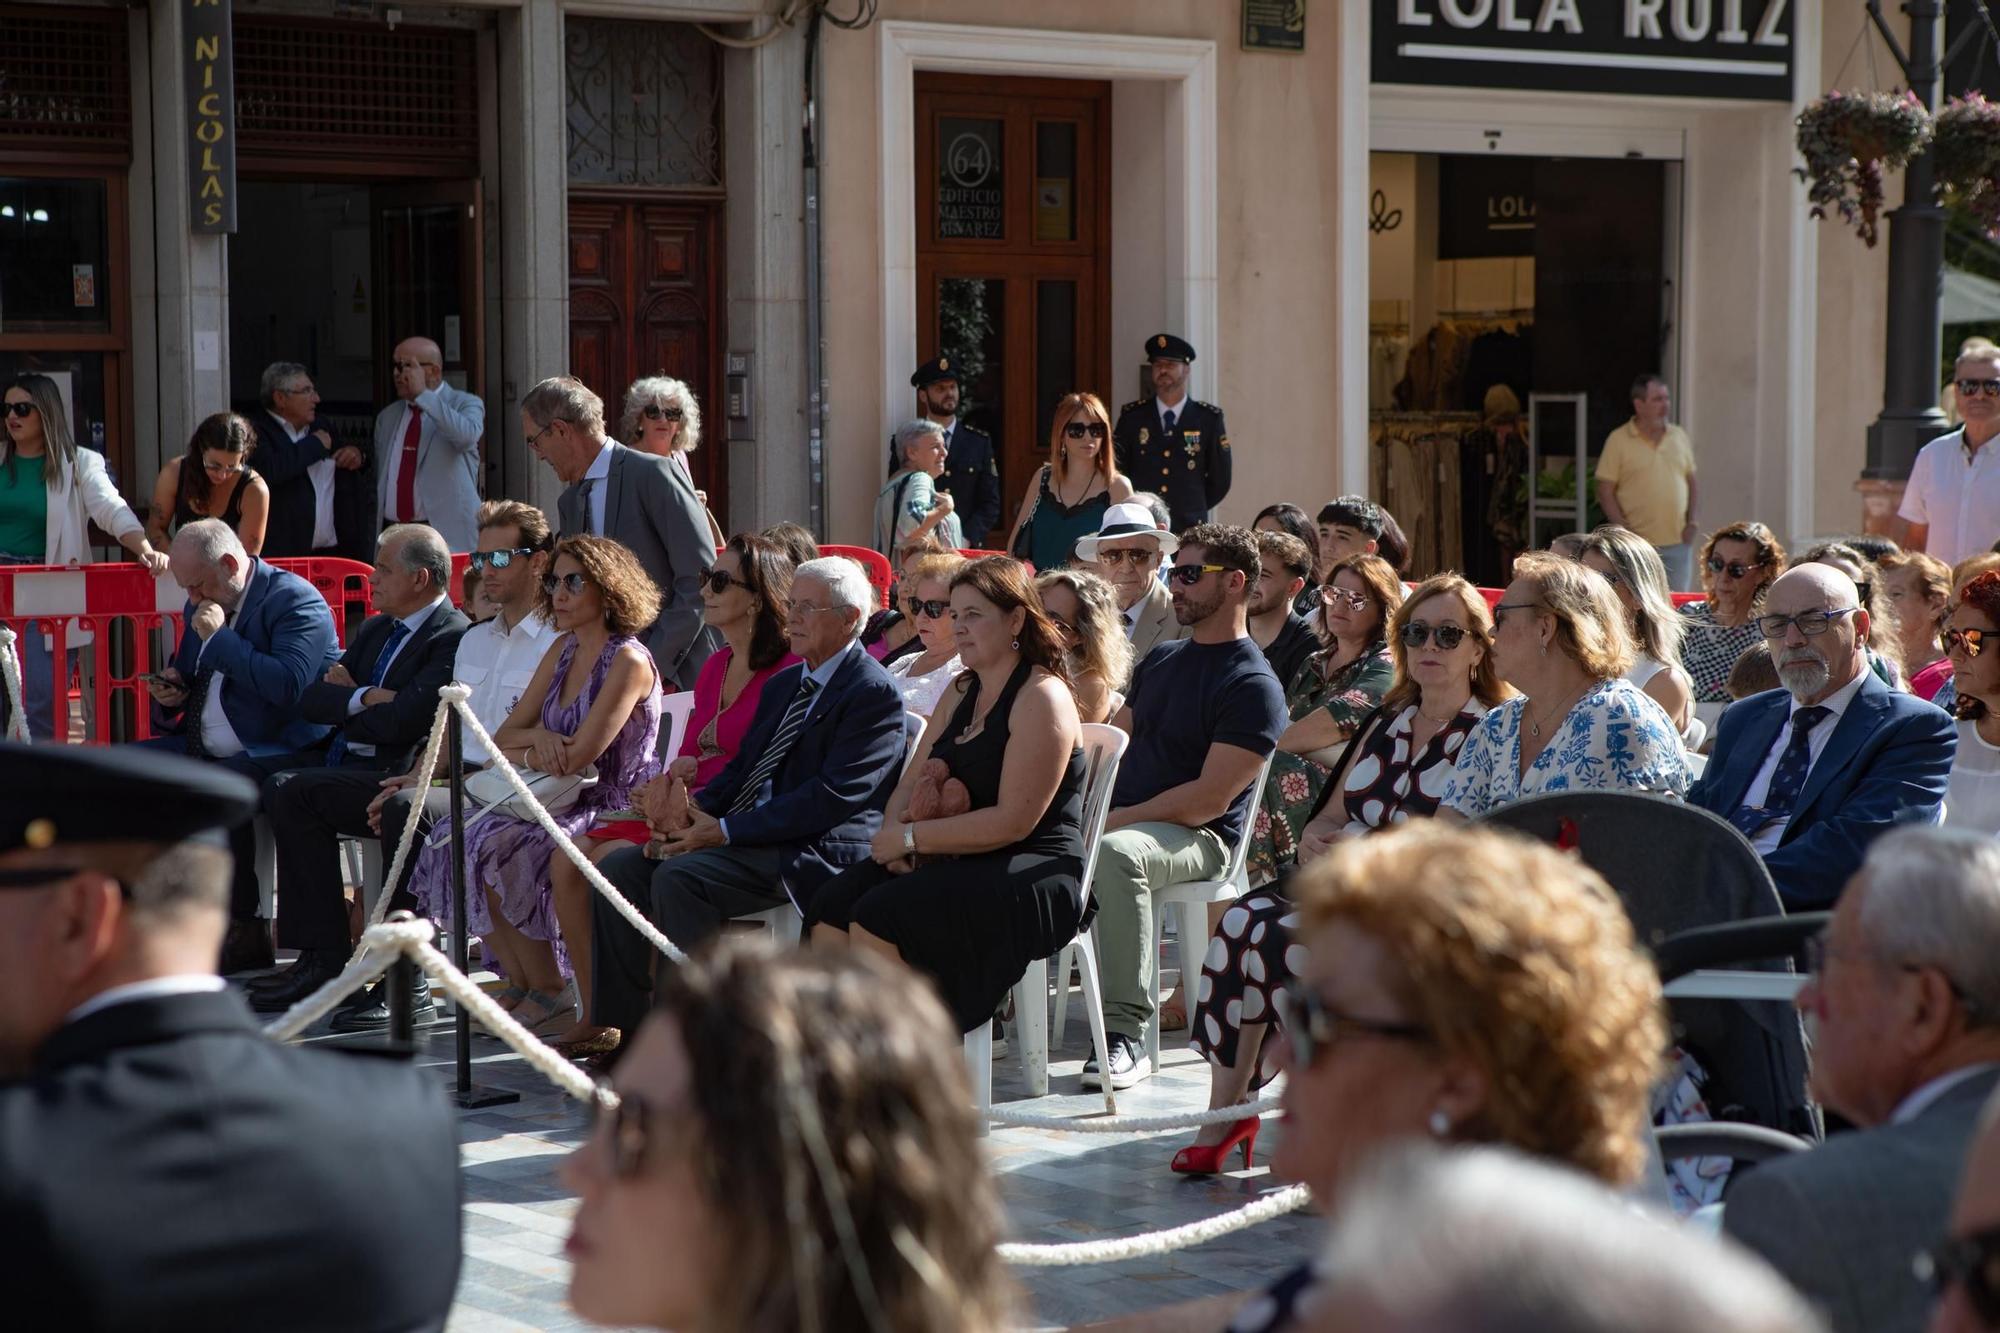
(213,479)
(971,898)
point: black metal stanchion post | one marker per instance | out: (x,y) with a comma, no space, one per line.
(464,1093)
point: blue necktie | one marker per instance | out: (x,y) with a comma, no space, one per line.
(1167,420)
(788,730)
(397,633)
(1788,781)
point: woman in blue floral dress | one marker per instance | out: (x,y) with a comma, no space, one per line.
(595,700)
(1560,638)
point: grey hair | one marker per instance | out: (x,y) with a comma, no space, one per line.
(560,398)
(1163,517)
(1931,897)
(846,585)
(275,377)
(1655,623)
(208,540)
(1486,1240)
(910,432)
(423,549)
(662,391)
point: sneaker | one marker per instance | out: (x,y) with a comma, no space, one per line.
(1128,1064)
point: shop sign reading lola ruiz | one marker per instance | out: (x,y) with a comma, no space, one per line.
(208,87)
(1672,48)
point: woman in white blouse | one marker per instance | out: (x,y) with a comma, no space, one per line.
(1972,639)
(925,592)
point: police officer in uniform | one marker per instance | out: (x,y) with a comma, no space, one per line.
(970,473)
(1170,444)
(163,1164)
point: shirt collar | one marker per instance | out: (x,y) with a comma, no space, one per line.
(1930,1093)
(153,988)
(1836,703)
(286,426)
(530,624)
(600,466)
(415,620)
(822,675)
(1131,613)
(1175,406)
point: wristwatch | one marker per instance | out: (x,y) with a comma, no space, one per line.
(909,839)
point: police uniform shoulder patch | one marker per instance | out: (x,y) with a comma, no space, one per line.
(1132,406)
(1209,406)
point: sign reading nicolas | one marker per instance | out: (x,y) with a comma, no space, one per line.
(1670,48)
(208,83)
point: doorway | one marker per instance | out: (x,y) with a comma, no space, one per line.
(1014,253)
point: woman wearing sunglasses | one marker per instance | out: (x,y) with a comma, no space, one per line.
(1972,641)
(213,480)
(1085,612)
(1459,985)
(663,418)
(925,594)
(1736,565)
(1071,491)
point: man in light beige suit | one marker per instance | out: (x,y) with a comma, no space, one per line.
(1127,549)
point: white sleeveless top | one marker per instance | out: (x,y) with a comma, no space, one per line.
(1644,669)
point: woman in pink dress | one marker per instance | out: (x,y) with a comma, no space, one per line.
(744,600)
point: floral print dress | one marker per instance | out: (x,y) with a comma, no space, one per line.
(1613,738)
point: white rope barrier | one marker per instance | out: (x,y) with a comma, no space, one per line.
(1132,1124)
(10,673)
(1276,1204)
(379,947)
(393,875)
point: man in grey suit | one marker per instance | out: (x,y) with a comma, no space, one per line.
(427,448)
(1906,994)
(638,499)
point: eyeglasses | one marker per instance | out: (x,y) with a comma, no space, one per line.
(1076,430)
(1972,640)
(1513,606)
(1189,575)
(1865,590)
(805,609)
(720,581)
(221,469)
(1331,593)
(573,582)
(1969,1261)
(1139,559)
(298,390)
(498,559)
(1810,623)
(1313,1026)
(1447,637)
(536,438)
(933,609)
(411,365)
(1717,565)
(1968,388)
(654,412)
(20,409)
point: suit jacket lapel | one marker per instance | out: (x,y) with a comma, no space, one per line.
(1759,735)
(1863,715)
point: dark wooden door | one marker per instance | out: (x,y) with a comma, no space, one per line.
(645,299)
(1014,253)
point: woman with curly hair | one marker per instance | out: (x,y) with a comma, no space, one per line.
(1084,610)
(594,702)
(1736,565)
(1972,640)
(792,1149)
(1457,984)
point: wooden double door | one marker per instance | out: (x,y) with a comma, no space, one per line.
(645,299)
(1014,253)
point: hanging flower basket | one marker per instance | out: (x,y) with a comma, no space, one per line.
(1848,141)
(1966,150)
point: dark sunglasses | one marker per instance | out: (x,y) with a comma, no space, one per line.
(1314,1026)
(576,583)
(1119,557)
(934,609)
(20,409)
(1972,640)
(1189,575)
(720,581)
(1076,430)
(1447,637)
(655,412)
(1716,565)
(1967,388)
(498,559)
(1969,1261)
(1331,593)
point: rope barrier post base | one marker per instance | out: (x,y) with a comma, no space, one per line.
(468,1096)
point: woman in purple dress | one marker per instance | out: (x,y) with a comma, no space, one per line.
(595,700)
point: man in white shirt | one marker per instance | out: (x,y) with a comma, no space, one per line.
(1951,505)
(1126,550)
(427,447)
(1905,996)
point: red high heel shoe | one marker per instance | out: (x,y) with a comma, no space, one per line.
(1205,1159)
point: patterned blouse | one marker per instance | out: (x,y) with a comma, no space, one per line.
(1709,651)
(1613,737)
(1387,785)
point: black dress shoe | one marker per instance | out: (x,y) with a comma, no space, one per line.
(374,1015)
(315,968)
(282,977)
(247,947)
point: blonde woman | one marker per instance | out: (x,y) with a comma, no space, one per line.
(1085,612)
(663,418)
(1631,565)
(1071,491)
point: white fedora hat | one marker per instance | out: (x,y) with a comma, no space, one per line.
(1122,521)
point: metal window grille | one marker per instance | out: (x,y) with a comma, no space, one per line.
(645,104)
(64,79)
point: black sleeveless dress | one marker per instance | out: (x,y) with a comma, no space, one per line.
(973,923)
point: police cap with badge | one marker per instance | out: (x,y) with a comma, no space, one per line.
(75,795)
(1169,347)
(931,371)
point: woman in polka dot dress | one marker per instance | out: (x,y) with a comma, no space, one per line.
(1395,770)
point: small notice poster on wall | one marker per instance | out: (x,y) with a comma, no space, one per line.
(1274,25)
(83,286)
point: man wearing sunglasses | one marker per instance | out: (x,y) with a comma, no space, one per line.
(1905,999)
(970,475)
(163,1163)
(1171,444)
(428,444)
(1951,503)
(1126,550)
(1815,772)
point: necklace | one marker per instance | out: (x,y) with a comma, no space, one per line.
(1536,727)
(1441,721)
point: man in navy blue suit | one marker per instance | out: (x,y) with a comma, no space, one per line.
(254,637)
(802,798)
(1815,772)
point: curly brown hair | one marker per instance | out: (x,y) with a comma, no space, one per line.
(1770,553)
(839,1144)
(631,601)
(1385,590)
(1592,628)
(1487,687)
(1520,960)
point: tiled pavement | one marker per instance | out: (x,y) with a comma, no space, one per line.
(1056,1187)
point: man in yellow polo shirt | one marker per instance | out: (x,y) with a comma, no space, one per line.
(1645,479)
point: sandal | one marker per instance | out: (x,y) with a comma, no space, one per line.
(538,1011)
(1173,1014)
(602,1041)
(508,997)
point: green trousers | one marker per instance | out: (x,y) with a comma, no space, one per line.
(1133,864)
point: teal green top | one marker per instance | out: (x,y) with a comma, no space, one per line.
(24,508)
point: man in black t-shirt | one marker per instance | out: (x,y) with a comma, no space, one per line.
(1203,712)
(1286,637)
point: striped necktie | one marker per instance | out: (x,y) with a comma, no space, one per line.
(337,753)
(781,744)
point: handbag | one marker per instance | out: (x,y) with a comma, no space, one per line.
(555,793)
(1024,537)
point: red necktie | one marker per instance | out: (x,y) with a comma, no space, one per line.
(406,471)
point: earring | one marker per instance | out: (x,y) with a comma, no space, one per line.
(1062,456)
(1017,645)
(1440,1124)
(1545,647)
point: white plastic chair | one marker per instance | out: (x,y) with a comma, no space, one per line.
(675,710)
(783,921)
(1191,900)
